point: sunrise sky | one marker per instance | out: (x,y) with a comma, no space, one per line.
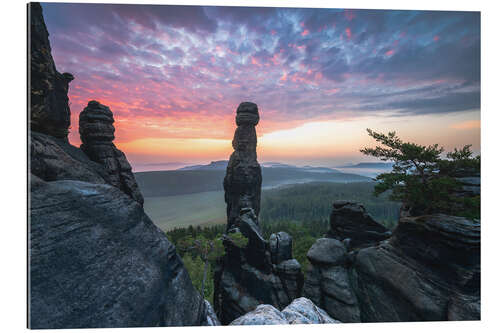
(174,75)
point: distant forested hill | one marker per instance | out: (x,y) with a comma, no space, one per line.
(378,165)
(313,202)
(177,182)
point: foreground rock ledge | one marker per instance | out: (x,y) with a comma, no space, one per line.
(300,311)
(96,260)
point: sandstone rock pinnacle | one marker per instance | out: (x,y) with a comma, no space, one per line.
(242,184)
(97,134)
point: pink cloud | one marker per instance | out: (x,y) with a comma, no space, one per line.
(284,76)
(348,32)
(255,61)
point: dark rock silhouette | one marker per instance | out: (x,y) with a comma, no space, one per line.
(429,269)
(243,180)
(95,258)
(262,272)
(49,109)
(349,220)
(97,135)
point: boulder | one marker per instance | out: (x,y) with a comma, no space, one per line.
(264,314)
(300,311)
(327,251)
(303,311)
(350,220)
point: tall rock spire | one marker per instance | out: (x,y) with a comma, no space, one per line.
(242,184)
(258,273)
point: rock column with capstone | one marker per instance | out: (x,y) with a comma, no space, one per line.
(97,134)
(243,180)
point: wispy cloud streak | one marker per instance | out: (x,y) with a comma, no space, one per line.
(180,71)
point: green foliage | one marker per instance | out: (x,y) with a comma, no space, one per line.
(421,178)
(313,202)
(195,267)
(200,248)
(458,161)
(238,239)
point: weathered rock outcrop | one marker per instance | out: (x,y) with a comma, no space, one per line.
(95,258)
(300,311)
(246,277)
(262,272)
(429,269)
(49,109)
(242,184)
(97,134)
(349,220)
(328,282)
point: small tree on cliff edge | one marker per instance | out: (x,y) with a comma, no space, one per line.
(421,179)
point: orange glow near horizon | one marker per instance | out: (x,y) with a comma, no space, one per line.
(179,149)
(325,143)
(466,125)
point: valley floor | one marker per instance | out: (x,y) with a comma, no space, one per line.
(181,211)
